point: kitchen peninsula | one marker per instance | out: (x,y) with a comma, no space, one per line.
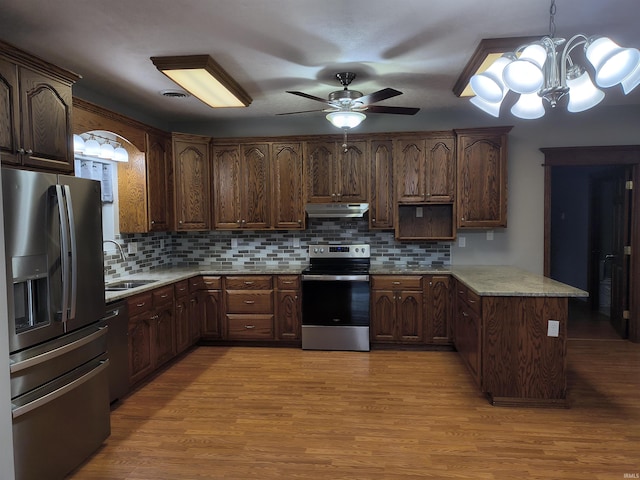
(508,325)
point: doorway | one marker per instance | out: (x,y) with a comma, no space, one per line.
(590,231)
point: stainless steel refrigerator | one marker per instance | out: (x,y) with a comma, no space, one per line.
(57,341)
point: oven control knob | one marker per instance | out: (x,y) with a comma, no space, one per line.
(315,250)
(322,250)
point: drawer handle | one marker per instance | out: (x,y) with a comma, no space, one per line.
(287,282)
(461,292)
(246,282)
(164,296)
(141,304)
(471,301)
(465,314)
(395,283)
(249,302)
(249,327)
(182,289)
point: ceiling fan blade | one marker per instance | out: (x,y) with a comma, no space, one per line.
(379,96)
(310,97)
(302,111)
(395,110)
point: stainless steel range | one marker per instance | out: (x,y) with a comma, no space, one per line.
(335,298)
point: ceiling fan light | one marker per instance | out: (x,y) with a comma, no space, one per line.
(525,75)
(488,85)
(346,119)
(529,106)
(583,94)
(611,62)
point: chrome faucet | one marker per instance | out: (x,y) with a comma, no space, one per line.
(124,258)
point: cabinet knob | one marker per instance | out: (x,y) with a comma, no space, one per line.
(373,220)
(29,152)
(462,218)
(20,151)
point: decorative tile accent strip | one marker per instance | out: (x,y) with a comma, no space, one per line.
(241,248)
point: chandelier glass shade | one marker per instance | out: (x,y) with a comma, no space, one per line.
(346,118)
(544,72)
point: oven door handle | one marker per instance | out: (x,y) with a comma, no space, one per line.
(336,278)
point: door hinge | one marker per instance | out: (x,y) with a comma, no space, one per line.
(627,250)
(628,185)
(626,314)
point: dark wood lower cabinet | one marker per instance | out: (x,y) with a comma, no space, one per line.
(152,338)
(505,344)
(397,309)
(288,308)
(182,320)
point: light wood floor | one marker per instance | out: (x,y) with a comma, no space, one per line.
(268,413)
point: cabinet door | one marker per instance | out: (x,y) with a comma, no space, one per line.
(158,156)
(140,347)
(352,174)
(381,192)
(254,194)
(288,190)
(46,121)
(438,309)
(482,178)
(409,316)
(191,168)
(383,316)
(9,114)
(165,346)
(410,170)
(182,323)
(288,310)
(319,162)
(440,165)
(226,192)
(468,339)
(211,311)
(195,317)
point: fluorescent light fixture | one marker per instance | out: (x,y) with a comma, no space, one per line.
(203,78)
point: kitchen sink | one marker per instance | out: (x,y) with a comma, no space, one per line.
(126,285)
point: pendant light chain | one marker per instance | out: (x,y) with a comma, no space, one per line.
(552,19)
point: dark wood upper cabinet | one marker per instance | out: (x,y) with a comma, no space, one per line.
(288,187)
(381,198)
(191,182)
(335,173)
(482,177)
(35,114)
(159,185)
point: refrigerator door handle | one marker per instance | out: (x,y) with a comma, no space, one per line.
(49,397)
(51,354)
(74,253)
(64,253)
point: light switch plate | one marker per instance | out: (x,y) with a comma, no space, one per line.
(462,242)
(234,243)
(296,242)
(553,328)
(419,212)
(489,234)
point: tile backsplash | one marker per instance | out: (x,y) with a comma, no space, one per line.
(228,249)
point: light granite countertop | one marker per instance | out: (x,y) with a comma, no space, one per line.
(483,280)
(506,281)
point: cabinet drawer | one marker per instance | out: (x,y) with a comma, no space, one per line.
(242,301)
(396,282)
(162,296)
(205,283)
(181,288)
(249,282)
(288,282)
(139,304)
(250,327)
(472,299)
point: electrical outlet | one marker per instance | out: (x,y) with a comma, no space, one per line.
(553,328)
(489,235)
(296,242)
(462,242)
(162,244)
(234,243)
(419,212)
(132,248)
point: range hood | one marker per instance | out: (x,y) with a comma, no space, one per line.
(336,210)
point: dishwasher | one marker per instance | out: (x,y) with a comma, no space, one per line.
(117,319)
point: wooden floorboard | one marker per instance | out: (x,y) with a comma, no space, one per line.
(276,413)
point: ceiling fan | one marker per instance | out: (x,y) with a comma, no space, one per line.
(345,107)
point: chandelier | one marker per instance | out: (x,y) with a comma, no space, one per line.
(544,71)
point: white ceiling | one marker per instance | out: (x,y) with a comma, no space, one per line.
(416,46)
